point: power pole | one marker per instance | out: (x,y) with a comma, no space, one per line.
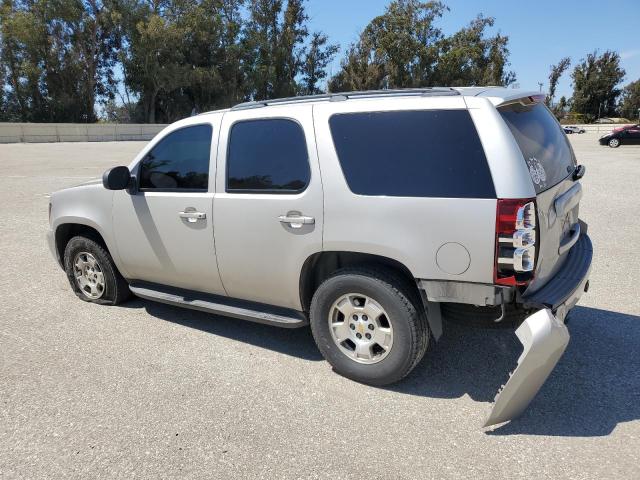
(540,84)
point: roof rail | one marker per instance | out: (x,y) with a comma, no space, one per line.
(337,97)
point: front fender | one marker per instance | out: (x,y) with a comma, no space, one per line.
(88,205)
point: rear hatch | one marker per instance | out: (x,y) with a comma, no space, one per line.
(551,163)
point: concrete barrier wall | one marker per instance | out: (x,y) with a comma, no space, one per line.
(110,132)
(76,132)
(599,127)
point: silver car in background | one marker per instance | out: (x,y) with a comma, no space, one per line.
(370,216)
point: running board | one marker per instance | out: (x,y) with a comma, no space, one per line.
(219,305)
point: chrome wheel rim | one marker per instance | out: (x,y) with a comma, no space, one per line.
(89,275)
(614,142)
(361,328)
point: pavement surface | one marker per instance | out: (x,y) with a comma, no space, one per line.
(151,391)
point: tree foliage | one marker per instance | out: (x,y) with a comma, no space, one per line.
(630,101)
(161,60)
(57,58)
(405,48)
(595,81)
(554,76)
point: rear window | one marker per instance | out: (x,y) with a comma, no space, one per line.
(543,143)
(418,153)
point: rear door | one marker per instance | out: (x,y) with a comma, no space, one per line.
(268,214)
(551,163)
(634,134)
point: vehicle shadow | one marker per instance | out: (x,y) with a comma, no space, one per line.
(594,387)
(297,342)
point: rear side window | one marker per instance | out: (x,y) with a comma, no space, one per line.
(543,143)
(267,156)
(180,161)
(419,153)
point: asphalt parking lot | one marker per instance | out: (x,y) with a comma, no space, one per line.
(153,391)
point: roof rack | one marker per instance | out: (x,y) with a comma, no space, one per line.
(338,97)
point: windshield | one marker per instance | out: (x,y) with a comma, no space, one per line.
(543,143)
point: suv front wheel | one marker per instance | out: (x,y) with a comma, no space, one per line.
(369,325)
(92,274)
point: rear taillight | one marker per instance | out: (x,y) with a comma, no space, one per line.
(515,241)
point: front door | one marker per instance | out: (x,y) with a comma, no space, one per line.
(268,211)
(634,134)
(164,230)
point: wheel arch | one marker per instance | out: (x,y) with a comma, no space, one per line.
(67,230)
(319,266)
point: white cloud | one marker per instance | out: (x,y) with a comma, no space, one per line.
(629,54)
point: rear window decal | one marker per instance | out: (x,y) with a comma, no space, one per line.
(538,175)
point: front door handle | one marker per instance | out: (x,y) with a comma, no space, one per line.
(192,216)
(296,220)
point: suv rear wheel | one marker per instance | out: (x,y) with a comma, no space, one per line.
(92,274)
(369,325)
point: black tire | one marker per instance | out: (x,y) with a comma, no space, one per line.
(406,316)
(116,289)
(614,142)
(483,317)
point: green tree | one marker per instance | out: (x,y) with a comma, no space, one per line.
(554,76)
(630,101)
(595,81)
(57,57)
(470,57)
(396,49)
(153,61)
(403,47)
(280,62)
(314,69)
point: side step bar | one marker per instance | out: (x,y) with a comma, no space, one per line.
(244,310)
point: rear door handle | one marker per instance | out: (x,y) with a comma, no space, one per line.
(296,221)
(192,216)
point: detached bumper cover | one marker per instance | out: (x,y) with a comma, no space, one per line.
(544,338)
(543,335)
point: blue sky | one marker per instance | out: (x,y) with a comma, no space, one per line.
(540,32)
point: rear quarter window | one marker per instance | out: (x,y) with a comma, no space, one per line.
(543,143)
(418,153)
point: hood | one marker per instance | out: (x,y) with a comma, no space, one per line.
(92,181)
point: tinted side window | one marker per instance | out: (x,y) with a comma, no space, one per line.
(179,161)
(421,153)
(267,155)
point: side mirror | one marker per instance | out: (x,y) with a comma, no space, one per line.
(116,178)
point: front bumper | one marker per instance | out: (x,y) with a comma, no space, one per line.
(544,334)
(51,242)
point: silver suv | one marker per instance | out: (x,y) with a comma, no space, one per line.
(369,215)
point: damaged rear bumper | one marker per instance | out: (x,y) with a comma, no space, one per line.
(544,335)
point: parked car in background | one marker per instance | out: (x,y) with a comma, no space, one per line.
(629,135)
(568,129)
